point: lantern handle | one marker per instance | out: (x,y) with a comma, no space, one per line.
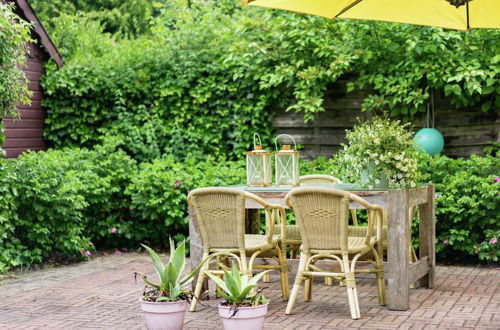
(260,141)
(291,137)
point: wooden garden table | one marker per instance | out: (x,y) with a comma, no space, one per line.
(400,272)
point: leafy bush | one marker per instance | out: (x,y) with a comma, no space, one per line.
(467,206)
(50,203)
(54,202)
(203,79)
(12,252)
(125,17)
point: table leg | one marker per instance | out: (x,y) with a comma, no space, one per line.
(427,228)
(398,291)
(252,221)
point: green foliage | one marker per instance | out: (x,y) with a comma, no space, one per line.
(467,205)
(79,37)
(171,282)
(489,249)
(50,203)
(15,34)
(59,201)
(126,17)
(12,252)
(405,64)
(205,78)
(238,289)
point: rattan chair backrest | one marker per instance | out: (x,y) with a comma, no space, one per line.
(319,178)
(322,216)
(220,213)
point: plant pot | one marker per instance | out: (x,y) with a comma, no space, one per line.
(164,315)
(367,175)
(246,318)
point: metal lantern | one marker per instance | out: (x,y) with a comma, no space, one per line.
(286,164)
(258,165)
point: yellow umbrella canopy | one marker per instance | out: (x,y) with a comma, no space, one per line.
(452,14)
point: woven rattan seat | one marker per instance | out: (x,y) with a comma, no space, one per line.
(322,217)
(220,215)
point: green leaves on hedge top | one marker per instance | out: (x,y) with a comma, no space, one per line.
(209,76)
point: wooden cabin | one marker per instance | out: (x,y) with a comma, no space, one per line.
(27,134)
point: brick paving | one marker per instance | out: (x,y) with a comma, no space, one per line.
(102,294)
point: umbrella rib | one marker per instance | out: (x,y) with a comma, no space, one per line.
(348,7)
(467,10)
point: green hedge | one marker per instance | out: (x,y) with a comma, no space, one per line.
(207,77)
(467,205)
(66,202)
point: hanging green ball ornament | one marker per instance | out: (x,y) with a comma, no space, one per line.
(429,140)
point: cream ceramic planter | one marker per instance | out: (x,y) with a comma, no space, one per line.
(246,318)
(164,315)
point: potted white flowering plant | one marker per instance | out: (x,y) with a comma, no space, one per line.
(379,154)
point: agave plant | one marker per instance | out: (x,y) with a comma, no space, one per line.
(171,282)
(238,289)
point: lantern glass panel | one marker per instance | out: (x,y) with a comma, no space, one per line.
(287,168)
(259,168)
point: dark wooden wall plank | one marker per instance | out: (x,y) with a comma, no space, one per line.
(466,131)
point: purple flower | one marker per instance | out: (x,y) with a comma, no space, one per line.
(114,230)
(494,240)
(497,179)
(117,252)
(177,184)
(88,254)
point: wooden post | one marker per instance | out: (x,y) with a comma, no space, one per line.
(252,221)
(398,290)
(427,229)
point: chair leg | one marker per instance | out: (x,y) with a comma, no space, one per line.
(352,294)
(199,284)
(380,278)
(308,288)
(328,281)
(266,278)
(296,285)
(283,273)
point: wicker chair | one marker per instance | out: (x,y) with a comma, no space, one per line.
(322,217)
(220,213)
